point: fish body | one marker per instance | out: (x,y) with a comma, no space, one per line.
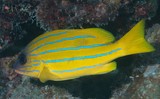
(67,54)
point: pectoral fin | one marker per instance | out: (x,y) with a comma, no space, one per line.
(46,75)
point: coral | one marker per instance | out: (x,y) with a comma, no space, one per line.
(139,9)
(146,77)
(5,28)
(54,14)
(8,78)
(145,10)
(145,86)
(27,90)
(17,10)
(12,14)
(154,34)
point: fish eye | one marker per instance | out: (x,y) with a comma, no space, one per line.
(22,59)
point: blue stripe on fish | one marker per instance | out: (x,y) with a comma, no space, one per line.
(35,61)
(63,39)
(36,64)
(42,38)
(69,48)
(83,57)
(77,69)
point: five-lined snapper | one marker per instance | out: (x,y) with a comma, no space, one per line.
(67,54)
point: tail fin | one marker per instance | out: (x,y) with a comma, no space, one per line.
(134,42)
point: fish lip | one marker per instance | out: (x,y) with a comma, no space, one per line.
(18,68)
(18,71)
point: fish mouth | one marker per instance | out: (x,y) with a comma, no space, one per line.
(18,68)
(18,71)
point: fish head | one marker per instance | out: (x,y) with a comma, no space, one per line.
(27,65)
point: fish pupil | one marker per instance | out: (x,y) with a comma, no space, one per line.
(22,58)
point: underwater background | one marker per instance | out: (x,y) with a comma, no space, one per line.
(137,76)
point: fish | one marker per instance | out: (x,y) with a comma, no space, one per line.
(66,54)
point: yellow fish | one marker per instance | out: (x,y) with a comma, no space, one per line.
(67,54)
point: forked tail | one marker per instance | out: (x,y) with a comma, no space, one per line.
(134,42)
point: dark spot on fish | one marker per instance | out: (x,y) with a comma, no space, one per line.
(22,58)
